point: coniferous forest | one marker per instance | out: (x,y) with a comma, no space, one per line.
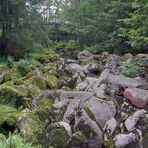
(73,73)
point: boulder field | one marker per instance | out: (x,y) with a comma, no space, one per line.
(90,101)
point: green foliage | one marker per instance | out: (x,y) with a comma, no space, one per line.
(26,65)
(110,143)
(131,70)
(71,44)
(14,141)
(135,28)
(134,68)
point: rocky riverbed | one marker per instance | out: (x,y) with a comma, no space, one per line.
(78,101)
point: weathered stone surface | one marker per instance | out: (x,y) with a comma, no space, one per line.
(101,110)
(142,55)
(112,63)
(75,68)
(111,126)
(138,97)
(94,68)
(101,79)
(133,119)
(81,95)
(67,127)
(123,81)
(87,84)
(127,56)
(84,54)
(123,140)
(100,92)
(85,124)
(61,104)
(69,114)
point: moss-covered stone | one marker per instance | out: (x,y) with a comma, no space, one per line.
(39,81)
(33,124)
(13,90)
(52,81)
(58,136)
(110,143)
(43,57)
(50,68)
(9,115)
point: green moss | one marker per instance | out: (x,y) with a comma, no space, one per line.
(14,90)
(9,115)
(52,81)
(110,143)
(35,124)
(39,81)
(58,136)
(89,113)
(50,68)
(43,57)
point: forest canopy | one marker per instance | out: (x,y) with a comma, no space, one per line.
(97,25)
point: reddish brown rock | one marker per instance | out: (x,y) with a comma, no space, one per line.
(138,97)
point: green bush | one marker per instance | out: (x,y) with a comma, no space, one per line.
(71,44)
(26,64)
(96,48)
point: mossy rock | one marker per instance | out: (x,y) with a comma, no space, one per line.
(30,126)
(9,115)
(13,90)
(11,75)
(58,136)
(13,94)
(76,139)
(33,126)
(39,81)
(43,57)
(52,81)
(110,143)
(50,68)
(43,101)
(33,90)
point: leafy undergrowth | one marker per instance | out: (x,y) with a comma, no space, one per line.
(13,141)
(134,68)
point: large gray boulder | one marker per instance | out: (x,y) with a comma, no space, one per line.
(101,110)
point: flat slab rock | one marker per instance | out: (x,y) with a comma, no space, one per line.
(138,97)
